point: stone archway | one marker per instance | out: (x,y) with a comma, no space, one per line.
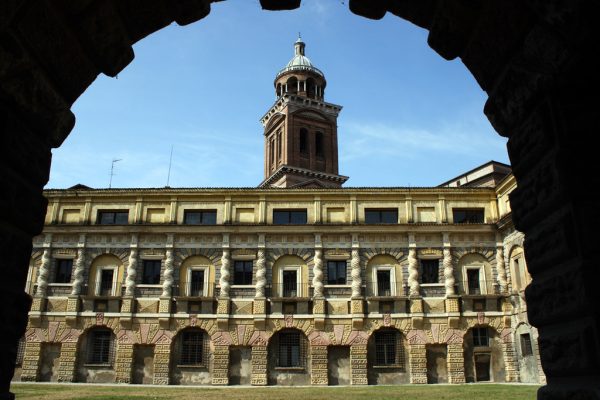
(531,57)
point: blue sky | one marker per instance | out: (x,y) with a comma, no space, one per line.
(410,118)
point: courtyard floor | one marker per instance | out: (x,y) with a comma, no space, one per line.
(408,392)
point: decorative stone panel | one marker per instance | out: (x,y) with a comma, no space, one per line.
(259,365)
(68,362)
(418,363)
(318,365)
(31,360)
(123,361)
(162,353)
(358,364)
(220,369)
(456,363)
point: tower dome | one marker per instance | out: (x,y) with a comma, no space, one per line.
(300,77)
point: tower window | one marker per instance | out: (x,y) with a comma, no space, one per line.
(303,141)
(319,144)
(279,146)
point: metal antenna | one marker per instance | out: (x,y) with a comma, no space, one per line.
(112,170)
(169,173)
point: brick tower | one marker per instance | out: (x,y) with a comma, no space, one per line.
(301,129)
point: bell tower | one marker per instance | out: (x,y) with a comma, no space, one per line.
(300,129)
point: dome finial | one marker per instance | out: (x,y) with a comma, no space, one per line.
(299,46)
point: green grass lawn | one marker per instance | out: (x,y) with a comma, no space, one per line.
(413,392)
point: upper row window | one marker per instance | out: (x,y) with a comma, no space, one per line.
(381,216)
(202,217)
(468,215)
(113,217)
(284,217)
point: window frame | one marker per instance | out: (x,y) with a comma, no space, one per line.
(57,264)
(188,285)
(288,349)
(399,356)
(298,270)
(244,276)
(202,212)
(290,212)
(468,218)
(482,279)
(98,283)
(144,263)
(478,338)
(380,211)
(526,344)
(201,347)
(345,275)
(101,213)
(421,270)
(105,356)
(375,280)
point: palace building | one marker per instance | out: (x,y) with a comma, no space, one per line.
(298,281)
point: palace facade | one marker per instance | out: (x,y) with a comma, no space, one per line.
(298,281)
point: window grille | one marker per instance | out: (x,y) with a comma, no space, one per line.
(101,348)
(194,348)
(20,352)
(389,350)
(526,348)
(481,337)
(292,350)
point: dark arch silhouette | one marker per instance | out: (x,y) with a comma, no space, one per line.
(531,57)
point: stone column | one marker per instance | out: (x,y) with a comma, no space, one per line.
(224,280)
(448,272)
(44,271)
(418,363)
(318,365)
(500,269)
(318,274)
(413,272)
(168,274)
(123,362)
(131,272)
(162,353)
(261,273)
(358,364)
(220,368)
(355,273)
(259,365)
(78,272)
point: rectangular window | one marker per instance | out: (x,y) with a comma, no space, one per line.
(381,216)
(384,284)
(200,217)
(303,141)
(287,217)
(242,274)
(290,284)
(430,271)
(113,217)
(480,337)
(526,348)
(336,272)
(473,281)
(106,282)
(319,150)
(468,215)
(388,349)
(192,346)
(100,348)
(196,285)
(63,270)
(151,273)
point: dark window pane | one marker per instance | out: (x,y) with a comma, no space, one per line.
(290,284)
(284,217)
(106,282)
(319,144)
(113,217)
(473,281)
(526,348)
(106,218)
(192,346)
(480,337)
(336,272)
(121,218)
(242,273)
(197,283)
(430,271)
(205,217)
(100,347)
(468,215)
(290,350)
(151,273)
(384,287)
(63,271)
(384,216)
(303,141)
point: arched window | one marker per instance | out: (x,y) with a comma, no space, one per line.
(292,85)
(303,141)
(319,150)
